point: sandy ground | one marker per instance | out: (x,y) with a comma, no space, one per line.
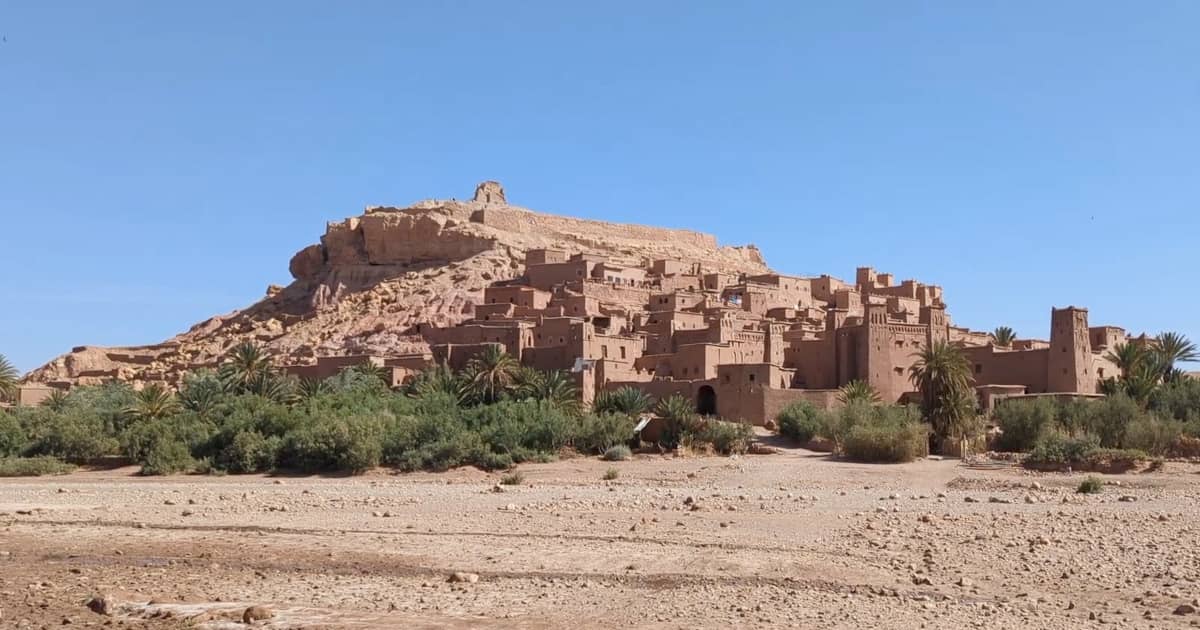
(786,540)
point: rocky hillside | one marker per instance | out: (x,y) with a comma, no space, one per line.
(374,277)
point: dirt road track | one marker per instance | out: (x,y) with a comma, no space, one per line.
(787,540)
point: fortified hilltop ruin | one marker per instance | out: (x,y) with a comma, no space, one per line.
(666,311)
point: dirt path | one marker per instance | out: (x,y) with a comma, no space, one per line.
(788,540)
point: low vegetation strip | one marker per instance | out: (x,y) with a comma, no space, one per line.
(248,418)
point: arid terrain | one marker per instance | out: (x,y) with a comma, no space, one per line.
(374,278)
(792,539)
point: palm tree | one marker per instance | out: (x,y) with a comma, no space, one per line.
(273,387)
(1143,379)
(679,417)
(153,403)
(246,364)
(1126,356)
(626,400)
(555,387)
(201,392)
(312,387)
(491,373)
(942,374)
(56,401)
(1004,336)
(1174,348)
(8,379)
(438,380)
(526,381)
(378,372)
(857,391)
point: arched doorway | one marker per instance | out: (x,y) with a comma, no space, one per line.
(706,401)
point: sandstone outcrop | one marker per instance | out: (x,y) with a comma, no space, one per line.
(374,278)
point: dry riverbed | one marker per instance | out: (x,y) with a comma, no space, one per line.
(786,540)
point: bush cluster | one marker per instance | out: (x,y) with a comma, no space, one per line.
(342,429)
(1091,485)
(256,421)
(800,421)
(726,438)
(1044,427)
(33,466)
(860,431)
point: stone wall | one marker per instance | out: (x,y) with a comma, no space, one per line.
(524,221)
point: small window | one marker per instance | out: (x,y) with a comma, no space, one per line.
(622,352)
(751,378)
(979,368)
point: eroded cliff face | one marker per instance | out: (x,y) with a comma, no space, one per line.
(373,278)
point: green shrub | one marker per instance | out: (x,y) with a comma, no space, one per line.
(618,453)
(725,438)
(437,439)
(1075,416)
(1055,448)
(890,435)
(489,460)
(353,444)
(630,401)
(1112,418)
(679,418)
(1179,400)
(189,428)
(167,457)
(596,433)
(12,435)
(512,479)
(250,452)
(1091,485)
(1154,434)
(800,421)
(611,473)
(1023,422)
(74,435)
(1114,458)
(522,427)
(836,425)
(108,403)
(33,466)
(444,450)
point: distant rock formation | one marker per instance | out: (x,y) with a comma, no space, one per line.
(489,192)
(374,278)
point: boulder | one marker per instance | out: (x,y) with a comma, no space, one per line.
(257,613)
(307,263)
(463,578)
(101,604)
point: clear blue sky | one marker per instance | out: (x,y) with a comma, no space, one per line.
(161,161)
